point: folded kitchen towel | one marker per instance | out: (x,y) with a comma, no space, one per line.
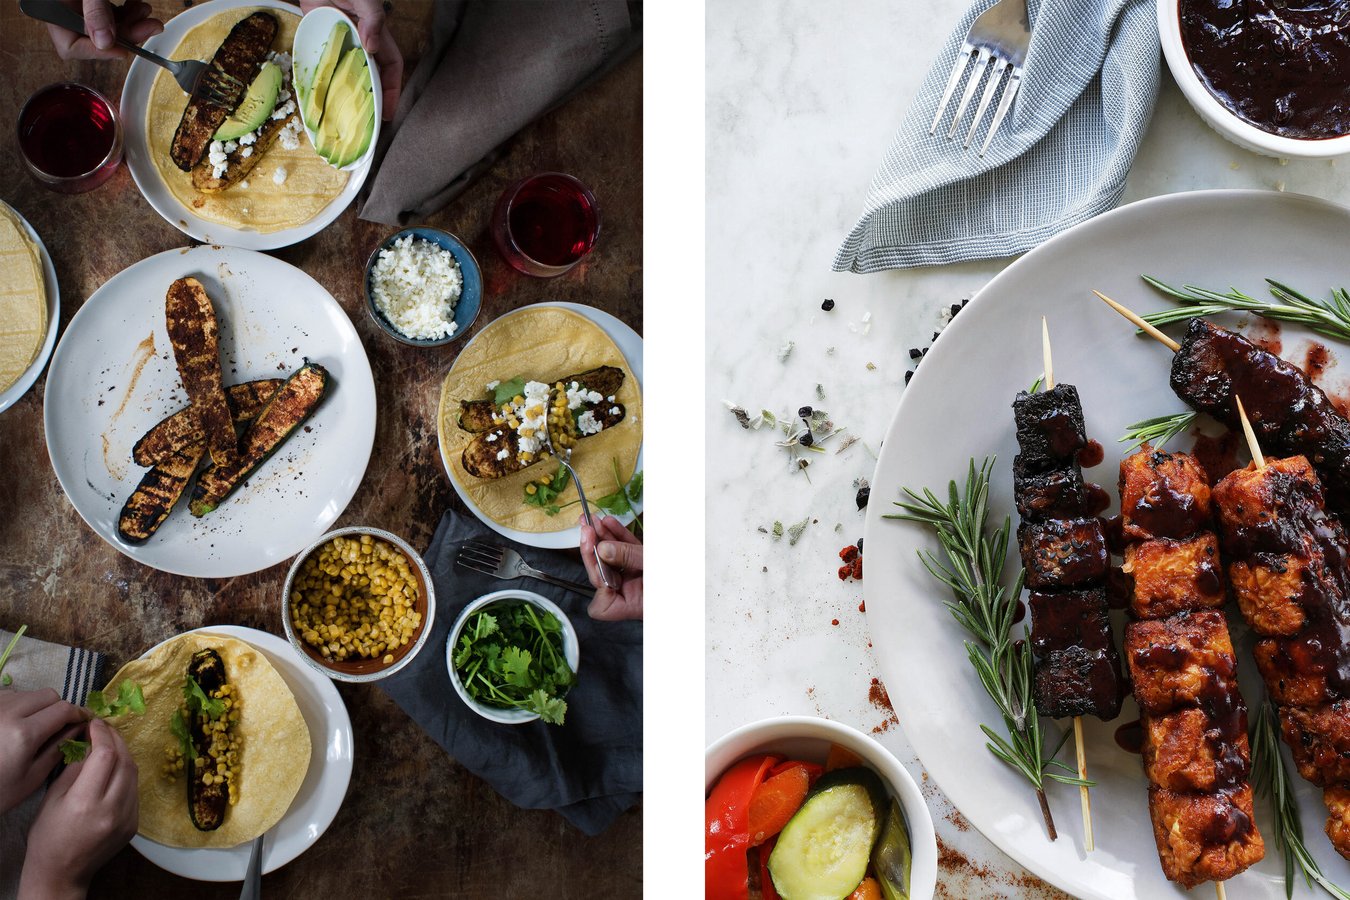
(590,768)
(490,69)
(34,665)
(1059,158)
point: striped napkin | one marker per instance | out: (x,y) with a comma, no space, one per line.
(1059,158)
(33,665)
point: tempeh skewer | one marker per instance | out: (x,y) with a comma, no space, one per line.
(1080,753)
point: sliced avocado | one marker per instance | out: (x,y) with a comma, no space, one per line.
(317,92)
(257,105)
(349,112)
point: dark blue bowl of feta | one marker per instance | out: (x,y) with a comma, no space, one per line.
(423,287)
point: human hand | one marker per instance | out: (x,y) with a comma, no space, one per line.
(622,552)
(379,43)
(103,21)
(89,813)
(32,724)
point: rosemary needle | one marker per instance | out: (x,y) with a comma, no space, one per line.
(1327,317)
(1157,430)
(973,570)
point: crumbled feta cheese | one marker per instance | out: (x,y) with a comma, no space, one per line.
(587,423)
(533,416)
(250,138)
(594,397)
(492,437)
(416,285)
(503,453)
(615,411)
(290,135)
(246,153)
(283,96)
(279,176)
(244,184)
(610,398)
(231,146)
(578,396)
(492,385)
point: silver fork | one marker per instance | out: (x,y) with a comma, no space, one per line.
(253,877)
(196,78)
(612,581)
(503,562)
(1002,34)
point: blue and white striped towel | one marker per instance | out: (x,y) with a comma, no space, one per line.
(1060,157)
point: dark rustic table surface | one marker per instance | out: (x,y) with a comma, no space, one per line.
(414,823)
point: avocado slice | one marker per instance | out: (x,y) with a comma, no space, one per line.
(349,113)
(257,105)
(317,92)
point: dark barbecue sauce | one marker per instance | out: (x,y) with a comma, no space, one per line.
(1091,455)
(1282,66)
(1130,737)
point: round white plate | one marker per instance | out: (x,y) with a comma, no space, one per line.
(320,795)
(135,95)
(16,390)
(959,405)
(106,388)
(630,345)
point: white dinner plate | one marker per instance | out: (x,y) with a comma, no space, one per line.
(320,795)
(630,345)
(11,395)
(135,96)
(113,376)
(959,405)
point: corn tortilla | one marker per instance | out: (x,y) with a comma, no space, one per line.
(23,299)
(542,344)
(273,760)
(263,206)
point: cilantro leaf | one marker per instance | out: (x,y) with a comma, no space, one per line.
(545,494)
(516,666)
(550,709)
(197,700)
(73,751)
(512,658)
(130,698)
(507,390)
(634,488)
(180,730)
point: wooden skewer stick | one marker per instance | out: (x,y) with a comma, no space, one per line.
(1137,320)
(1252,445)
(1218,889)
(1084,797)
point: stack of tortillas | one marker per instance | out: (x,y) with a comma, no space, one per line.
(23,299)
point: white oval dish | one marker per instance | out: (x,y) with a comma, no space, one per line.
(310,37)
(809,738)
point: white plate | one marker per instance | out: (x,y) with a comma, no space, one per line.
(310,39)
(135,95)
(958,405)
(99,402)
(320,795)
(630,345)
(16,390)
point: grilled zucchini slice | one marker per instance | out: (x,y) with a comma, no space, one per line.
(207,803)
(157,494)
(476,415)
(191,322)
(239,164)
(182,429)
(480,454)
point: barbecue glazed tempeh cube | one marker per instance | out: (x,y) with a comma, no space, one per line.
(1066,619)
(1055,494)
(1049,426)
(1269,589)
(1063,553)
(1320,741)
(1337,800)
(1174,662)
(1292,678)
(1171,575)
(1204,837)
(1269,510)
(1078,682)
(1162,495)
(1183,751)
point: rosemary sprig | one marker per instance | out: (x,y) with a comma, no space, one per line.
(1327,317)
(986,609)
(1036,385)
(1157,430)
(1273,780)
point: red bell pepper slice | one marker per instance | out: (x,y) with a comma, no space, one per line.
(726,866)
(766,888)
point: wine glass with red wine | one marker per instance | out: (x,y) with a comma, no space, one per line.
(70,137)
(545,224)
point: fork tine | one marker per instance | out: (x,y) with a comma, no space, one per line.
(952,80)
(975,74)
(486,548)
(995,79)
(1014,82)
(481,556)
(463,565)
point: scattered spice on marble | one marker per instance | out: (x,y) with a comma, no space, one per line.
(834,622)
(864,492)
(785,351)
(853,565)
(827,304)
(871,367)
(847,442)
(777,529)
(795,531)
(862,607)
(820,391)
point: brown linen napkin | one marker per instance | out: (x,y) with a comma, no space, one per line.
(34,665)
(490,69)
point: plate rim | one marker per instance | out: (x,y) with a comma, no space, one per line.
(131,108)
(20,388)
(339,724)
(566,538)
(127,550)
(959,325)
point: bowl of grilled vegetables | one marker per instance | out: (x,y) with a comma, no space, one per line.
(423,287)
(797,806)
(358,604)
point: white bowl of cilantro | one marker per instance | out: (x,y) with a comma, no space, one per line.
(512,657)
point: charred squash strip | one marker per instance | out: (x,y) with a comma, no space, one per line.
(182,429)
(480,455)
(476,415)
(157,494)
(289,407)
(195,336)
(207,802)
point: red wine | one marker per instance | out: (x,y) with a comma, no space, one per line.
(546,223)
(69,131)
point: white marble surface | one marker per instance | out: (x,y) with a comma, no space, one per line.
(802,99)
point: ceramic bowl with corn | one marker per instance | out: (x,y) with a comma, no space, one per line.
(358,604)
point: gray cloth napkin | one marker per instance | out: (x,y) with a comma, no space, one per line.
(1059,158)
(34,665)
(589,770)
(491,68)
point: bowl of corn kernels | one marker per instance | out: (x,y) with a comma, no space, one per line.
(358,604)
